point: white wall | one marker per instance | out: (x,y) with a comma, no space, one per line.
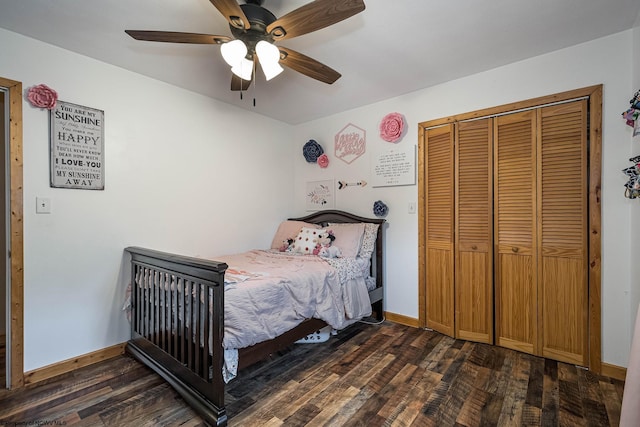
(604,61)
(184,173)
(635,204)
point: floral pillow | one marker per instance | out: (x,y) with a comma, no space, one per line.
(368,240)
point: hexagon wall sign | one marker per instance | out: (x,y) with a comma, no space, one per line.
(350,143)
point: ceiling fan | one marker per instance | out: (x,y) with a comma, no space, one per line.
(255,29)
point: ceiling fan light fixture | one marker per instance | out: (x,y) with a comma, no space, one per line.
(254,29)
(244,69)
(233,52)
(268,55)
(271,70)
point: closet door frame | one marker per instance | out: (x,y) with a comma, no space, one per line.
(593,94)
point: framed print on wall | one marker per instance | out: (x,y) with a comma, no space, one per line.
(394,166)
(320,195)
(76,147)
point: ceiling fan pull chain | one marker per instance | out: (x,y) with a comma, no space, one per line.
(254,84)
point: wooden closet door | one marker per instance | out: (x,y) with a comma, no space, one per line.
(515,231)
(439,186)
(474,231)
(562,232)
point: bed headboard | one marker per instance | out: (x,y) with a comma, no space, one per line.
(325,217)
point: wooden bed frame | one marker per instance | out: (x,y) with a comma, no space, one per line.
(170,323)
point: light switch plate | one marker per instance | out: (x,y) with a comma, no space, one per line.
(43,205)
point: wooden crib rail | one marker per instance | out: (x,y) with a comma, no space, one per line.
(177,324)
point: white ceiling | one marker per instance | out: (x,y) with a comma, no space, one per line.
(392,48)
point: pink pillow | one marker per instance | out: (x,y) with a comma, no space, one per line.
(348,237)
(289,230)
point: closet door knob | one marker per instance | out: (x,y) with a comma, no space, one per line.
(514,249)
(474,247)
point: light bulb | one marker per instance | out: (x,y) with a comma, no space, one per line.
(244,69)
(233,52)
(269,55)
(271,70)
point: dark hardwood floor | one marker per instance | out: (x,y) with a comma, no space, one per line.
(385,375)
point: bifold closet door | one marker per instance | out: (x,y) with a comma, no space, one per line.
(474,231)
(439,217)
(515,231)
(562,232)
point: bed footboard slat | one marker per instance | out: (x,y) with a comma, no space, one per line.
(175,324)
(182,315)
(162,306)
(207,331)
(189,322)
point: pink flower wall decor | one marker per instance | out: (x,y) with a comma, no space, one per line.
(323,161)
(391,127)
(42,96)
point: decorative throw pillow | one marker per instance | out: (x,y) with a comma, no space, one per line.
(289,230)
(348,237)
(307,240)
(369,240)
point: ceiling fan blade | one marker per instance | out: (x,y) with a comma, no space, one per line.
(176,37)
(307,66)
(231,10)
(313,16)
(239,84)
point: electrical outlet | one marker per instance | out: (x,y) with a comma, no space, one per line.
(412,207)
(43,205)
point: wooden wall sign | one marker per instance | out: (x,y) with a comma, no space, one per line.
(77,147)
(350,143)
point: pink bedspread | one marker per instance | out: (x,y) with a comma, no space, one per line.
(267,293)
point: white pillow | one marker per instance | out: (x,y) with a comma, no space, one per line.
(289,230)
(307,240)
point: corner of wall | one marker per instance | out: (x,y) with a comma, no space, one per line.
(634,297)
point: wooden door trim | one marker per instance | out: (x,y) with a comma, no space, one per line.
(595,229)
(422,230)
(16,233)
(586,92)
(594,95)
